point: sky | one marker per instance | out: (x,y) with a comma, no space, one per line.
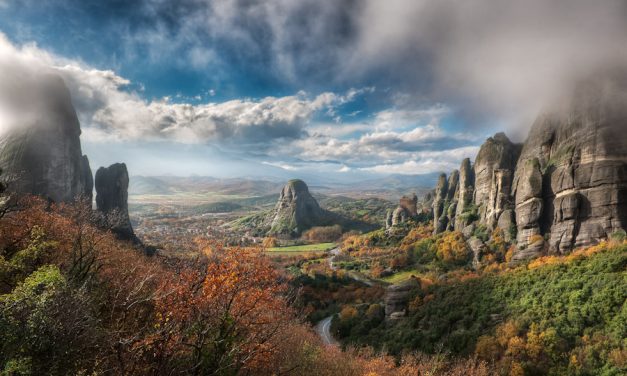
(337,89)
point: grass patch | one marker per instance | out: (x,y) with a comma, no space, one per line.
(320,247)
(400,276)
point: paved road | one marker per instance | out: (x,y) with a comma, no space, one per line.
(334,252)
(323,328)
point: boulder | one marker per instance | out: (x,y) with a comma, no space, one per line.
(397,297)
(477,246)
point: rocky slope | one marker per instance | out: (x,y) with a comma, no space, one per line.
(565,187)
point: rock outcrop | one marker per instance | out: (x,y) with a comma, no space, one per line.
(296,210)
(112,199)
(566,187)
(571,180)
(464,198)
(43,156)
(397,298)
(407,209)
(498,153)
(439,218)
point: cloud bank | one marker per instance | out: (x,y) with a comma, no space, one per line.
(496,60)
(486,64)
(282,132)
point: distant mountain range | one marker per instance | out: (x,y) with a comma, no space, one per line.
(388,186)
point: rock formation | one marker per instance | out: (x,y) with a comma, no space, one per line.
(407,209)
(464,198)
(43,156)
(571,180)
(497,153)
(112,199)
(439,218)
(566,187)
(397,298)
(296,210)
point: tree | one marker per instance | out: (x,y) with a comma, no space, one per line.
(222,319)
(452,248)
(46,327)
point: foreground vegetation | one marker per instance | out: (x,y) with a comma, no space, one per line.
(74,300)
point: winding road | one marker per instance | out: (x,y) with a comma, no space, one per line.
(323,328)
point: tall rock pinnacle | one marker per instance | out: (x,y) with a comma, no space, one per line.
(42,155)
(112,199)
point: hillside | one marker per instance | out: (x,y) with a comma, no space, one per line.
(555,316)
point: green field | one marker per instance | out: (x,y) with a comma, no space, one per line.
(320,247)
(400,276)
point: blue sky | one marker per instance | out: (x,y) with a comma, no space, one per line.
(346,89)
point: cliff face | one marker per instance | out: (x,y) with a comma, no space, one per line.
(296,210)
(571,180)
(493,175)
(112,199)
(43,156)
(564,188)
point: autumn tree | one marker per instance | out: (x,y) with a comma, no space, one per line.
(452,248)
(222,319)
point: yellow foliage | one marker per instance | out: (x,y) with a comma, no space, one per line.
(510,253)
(415,304)
(348,313)
(535,239)
(516,369)
(506,331)
(269,242)
(487,348)
(516,347)
(452,247)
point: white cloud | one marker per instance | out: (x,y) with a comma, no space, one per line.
(108,111)
(394,140)
(281,165)
(426,162)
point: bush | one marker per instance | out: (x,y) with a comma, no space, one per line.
(323,234)
(451,248)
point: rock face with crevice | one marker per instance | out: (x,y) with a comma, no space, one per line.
(112,199)
(440,219)
(466,189)
(493,171)
(571,179)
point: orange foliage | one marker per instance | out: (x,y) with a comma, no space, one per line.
(270,242)
(417,234)
(451,247)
